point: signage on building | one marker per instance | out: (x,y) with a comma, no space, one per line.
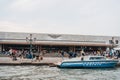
(54,36)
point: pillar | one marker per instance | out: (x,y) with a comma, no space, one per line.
(73,48)
(39,48)
(0,47)
(3,48)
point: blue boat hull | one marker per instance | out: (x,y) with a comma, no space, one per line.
(88,64)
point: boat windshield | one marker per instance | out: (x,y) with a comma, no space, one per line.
(97,58)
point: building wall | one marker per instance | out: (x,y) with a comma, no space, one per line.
(21,37)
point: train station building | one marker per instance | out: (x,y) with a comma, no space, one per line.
(55,42)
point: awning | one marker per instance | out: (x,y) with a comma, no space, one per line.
(56,43)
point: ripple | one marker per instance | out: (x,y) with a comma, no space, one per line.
(53,73)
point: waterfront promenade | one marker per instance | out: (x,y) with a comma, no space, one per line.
(50,61)
(45,61)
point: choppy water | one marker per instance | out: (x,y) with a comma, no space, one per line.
(53,73)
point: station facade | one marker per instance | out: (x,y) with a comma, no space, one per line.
(56,42)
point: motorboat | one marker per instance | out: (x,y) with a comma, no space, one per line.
(88,62)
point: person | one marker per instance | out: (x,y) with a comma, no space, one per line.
(74,54)
(82,58)
(41,55)
(62,54)
(70,54)
(38,57)
(14,55)
(82,53)
(118,53)
(10,52)
(111,53)
(21,56)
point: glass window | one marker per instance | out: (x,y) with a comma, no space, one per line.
(96,58)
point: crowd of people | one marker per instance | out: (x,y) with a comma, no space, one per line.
(26,54)
(111,53)
(39,56)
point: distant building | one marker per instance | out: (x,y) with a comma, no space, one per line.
(56,42)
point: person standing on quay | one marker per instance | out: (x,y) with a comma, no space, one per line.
(10,52)
(14,55)
(62,54)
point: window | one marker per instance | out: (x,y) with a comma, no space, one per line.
(116,41)
(96,58)
(110,41)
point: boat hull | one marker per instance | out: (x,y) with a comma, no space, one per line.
(88,64)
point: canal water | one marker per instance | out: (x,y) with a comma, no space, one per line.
(54,73)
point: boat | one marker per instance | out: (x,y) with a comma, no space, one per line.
(88,62)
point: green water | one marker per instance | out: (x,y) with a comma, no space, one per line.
(53,73)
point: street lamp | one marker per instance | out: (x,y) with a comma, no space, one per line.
(30,39)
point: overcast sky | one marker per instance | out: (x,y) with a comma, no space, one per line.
(84,17)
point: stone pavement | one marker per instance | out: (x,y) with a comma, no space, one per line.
(45,61)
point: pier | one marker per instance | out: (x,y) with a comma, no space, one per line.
(47,61)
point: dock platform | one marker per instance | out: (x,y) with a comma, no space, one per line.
(46,61)
(49,61)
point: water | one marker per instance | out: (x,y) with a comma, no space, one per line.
(54,73)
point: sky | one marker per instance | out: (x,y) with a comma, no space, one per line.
(81,17)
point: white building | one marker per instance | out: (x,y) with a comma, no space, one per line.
(56,42)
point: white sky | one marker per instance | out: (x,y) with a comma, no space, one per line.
(84,17)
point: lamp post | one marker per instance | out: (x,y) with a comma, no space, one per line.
(30,39)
